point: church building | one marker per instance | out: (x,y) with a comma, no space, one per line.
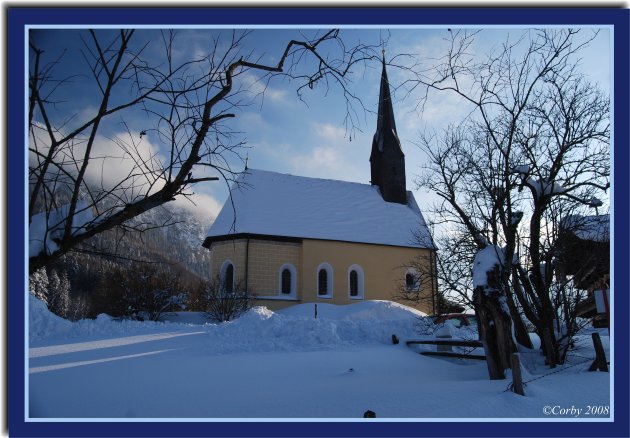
(292,239)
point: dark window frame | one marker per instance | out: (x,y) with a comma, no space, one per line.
(228,278)
(285,282)
(412,281)
(354,283)
(322,282)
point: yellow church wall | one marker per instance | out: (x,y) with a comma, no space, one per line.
(233,250)
(384,269)
(263,260)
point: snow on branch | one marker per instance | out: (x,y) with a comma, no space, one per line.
(485,260)
(544,187)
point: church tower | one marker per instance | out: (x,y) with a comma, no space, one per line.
(387,160)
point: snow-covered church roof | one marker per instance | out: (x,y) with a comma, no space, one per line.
(281,205)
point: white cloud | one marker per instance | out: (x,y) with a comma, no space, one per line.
(203,206)
(325,156)
(276,95)
(334,156)
(127,163)
(256,86)
(331,133)
(129,155)
(113,161)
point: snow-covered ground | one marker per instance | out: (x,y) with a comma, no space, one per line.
(284,365)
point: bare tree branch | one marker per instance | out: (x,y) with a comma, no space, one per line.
(175,114)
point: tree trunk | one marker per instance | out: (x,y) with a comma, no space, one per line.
(549,347)
(520,331)
(495,325)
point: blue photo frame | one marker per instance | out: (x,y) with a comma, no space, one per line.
(19,17)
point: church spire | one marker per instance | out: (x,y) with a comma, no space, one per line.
(387,160)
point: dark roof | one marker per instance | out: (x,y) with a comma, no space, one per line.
(594,228)
(385,122)
(584,248)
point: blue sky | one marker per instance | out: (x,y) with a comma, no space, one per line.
(308,138)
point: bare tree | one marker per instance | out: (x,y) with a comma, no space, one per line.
(223,302)
(149,291)
(430,288)
(446,271)
(534,146)
(174,114)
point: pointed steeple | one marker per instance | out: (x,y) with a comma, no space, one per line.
(387,160)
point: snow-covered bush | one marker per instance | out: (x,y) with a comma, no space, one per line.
(152,305)
(424,325)
(222,304)
(149,292)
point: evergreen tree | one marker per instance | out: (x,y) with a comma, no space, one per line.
(59,293)
(38,284)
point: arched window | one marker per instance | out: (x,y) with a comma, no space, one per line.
(355,282)
(229,278)
(324,281)
(287,280)
(412,280)
(226,276)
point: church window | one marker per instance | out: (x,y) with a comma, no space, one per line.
(324,281)
(355,282)
(409,280)
(227,276)
(412,280)
(286,281)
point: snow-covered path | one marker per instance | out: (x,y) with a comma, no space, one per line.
(248,369)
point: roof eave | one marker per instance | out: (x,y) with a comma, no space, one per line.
(209,240)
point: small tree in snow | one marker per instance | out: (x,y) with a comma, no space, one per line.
(150,292)
(222,304)
(445,271)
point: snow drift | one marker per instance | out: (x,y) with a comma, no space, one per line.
(284,364)
(259,330)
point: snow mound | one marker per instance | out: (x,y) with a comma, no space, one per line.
(45,325)
(377,309)
(42,321)
(261,330)
(297,329)
(258,330)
